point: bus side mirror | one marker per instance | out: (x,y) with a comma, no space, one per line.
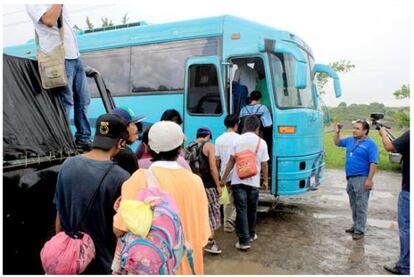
(322,68)
(282,47)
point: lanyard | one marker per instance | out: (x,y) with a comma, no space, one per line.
(355,146)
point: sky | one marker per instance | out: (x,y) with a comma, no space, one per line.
(373,35)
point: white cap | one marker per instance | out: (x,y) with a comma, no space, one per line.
(165,136)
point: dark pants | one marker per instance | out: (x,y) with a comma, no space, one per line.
(403,263)
(246,199)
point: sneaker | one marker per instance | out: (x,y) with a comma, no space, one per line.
(212,247)
(393,269)
(242,246)
(357,236)
(350,230)
(83,146)
(253,238)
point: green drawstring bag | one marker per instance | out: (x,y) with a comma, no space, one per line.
(224,198)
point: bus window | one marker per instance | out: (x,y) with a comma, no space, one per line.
(160,67)
(287,96)
(114,66)
(203,91)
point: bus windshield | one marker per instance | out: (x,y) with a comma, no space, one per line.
(287,96)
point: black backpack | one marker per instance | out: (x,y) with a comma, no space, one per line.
(194,157)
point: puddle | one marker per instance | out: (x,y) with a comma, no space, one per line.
(379,223)
(380,194)
(336,198)
(384,224)
(225,266)
(323,216)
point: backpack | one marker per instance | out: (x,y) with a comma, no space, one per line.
(70,252)
(246,162)
(193,155)
(162,250)
(243,118)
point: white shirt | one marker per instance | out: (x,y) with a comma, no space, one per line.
(49,37)
(223,144)
(248,141)
(246,76)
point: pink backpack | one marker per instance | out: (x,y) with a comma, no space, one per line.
(161,252)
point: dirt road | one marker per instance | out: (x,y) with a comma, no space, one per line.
(305,234)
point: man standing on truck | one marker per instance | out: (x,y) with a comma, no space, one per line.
(93,173)
(75,94)
(361,163)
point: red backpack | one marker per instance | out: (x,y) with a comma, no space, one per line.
(246,162)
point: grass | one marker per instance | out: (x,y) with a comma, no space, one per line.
(335,156)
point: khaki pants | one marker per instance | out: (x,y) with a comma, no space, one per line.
(229,211)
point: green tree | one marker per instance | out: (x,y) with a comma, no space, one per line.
(342,66)
(106,22)
(89,24)
(402,119)
(403,92)
(76,28)
(125,19)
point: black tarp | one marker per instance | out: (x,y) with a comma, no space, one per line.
(34,122)
(36,139)
(28,217)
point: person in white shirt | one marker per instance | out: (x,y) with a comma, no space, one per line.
(246,191)
(246,76)
(76,94)
(223,144)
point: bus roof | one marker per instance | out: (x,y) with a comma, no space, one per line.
(142,33)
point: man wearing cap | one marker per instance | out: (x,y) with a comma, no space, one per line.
(165,139)
(126,157)
(360,166)
(205,166)
(78,180)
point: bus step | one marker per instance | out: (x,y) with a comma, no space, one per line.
(263,209)
(266,197)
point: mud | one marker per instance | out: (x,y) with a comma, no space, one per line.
(305,234)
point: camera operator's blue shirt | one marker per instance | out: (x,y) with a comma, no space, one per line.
(359,155)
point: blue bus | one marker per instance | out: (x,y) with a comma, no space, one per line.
(190,65)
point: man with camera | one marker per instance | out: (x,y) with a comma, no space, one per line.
(401,145)
(361,163)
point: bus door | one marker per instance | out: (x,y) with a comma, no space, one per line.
(204,102)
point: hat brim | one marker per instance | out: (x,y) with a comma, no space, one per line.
(137,119)
(105,143)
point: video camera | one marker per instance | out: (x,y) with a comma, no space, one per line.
(375,121)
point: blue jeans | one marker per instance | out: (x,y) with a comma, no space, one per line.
(76,94)
(246,199)
(358,199)
(403,263)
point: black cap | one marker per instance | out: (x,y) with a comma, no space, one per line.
(109,129)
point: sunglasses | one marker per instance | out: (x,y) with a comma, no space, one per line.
(360,121)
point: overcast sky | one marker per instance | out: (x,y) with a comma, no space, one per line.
(373,35)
